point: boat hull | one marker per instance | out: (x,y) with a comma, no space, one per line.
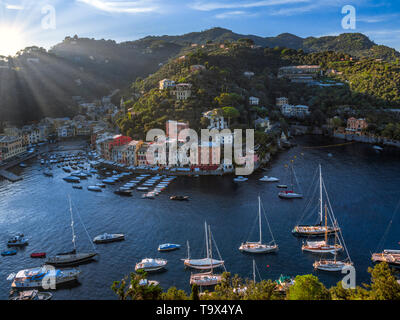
(70,259)
(205,279)
(258,248)
(197,264)
(331,266)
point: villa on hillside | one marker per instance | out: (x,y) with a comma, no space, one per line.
(166,83)
(355,126)
(183,91)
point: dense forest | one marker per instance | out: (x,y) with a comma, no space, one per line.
(383,286)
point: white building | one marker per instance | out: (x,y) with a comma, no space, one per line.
(248,74)
(254,101)
(183,91)
(298,111)
(166,83)
(281,101)
(216,119)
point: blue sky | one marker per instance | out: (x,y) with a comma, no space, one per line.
(133,19)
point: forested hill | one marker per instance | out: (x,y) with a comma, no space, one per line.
(37,83)
(366,85)
(355,44)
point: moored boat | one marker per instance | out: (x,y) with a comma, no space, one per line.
(259,247)
(106,238)
(179,198)
(151,265)
(240,179)
(94,188)
(42,277)
(9,253)
(123,192)
(206,263)
(33,295)
(168,247)
(269,179)
(38,255)
(18,240)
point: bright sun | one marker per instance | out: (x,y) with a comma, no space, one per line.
(11,41)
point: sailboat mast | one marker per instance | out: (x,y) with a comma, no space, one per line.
(254,271)
(207,249)
(72,223)
(326,224)
(209,234)
(188,249)
(259,217)
(320,194)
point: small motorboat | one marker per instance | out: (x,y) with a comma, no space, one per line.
(269,179)
(9,253)
(109,181)
(240,179)
(123,192)
(377,148)
(66,169)
(77,187)
(289,195)
(48,173)
(38,255)
(94,188)
(281,186)
(101,185)
(142,189)
(149,195)
(168,247)
(151,265)
(106,238)
(179,198)
(17,241)
(72,179)
(33,295)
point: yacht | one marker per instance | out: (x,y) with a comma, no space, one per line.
(94,188)
(331,265)
(106,238)
(41,277)
(17,241)
(259,247)
(72,179)
(150,265)
(168,247)
(206,263)
(73,257)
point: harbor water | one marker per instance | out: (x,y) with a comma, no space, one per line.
(363,187)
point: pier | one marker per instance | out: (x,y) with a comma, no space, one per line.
(9,175)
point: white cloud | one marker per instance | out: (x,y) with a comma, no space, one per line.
(14,7)
(209,6)
(231,14)
(121,6)
(377,18)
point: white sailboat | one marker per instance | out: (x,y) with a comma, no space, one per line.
(290,194)
(334,265)
(206,263)
(322,246)
(259,247)
(207,278)
(73,257)
(319,229)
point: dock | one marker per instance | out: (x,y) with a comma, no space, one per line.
(10,176)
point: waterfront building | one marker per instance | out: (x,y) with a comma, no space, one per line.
(263,123)
(11,146)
